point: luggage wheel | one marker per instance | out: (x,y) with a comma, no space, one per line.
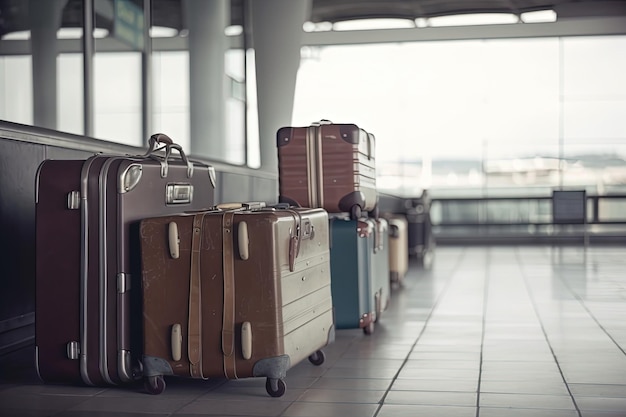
(155,385)
(317,358)
(355,212)
(275,387)
(369,329)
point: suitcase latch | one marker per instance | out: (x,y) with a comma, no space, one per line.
(73,350)
(178,194)
(73,200)
(123,282)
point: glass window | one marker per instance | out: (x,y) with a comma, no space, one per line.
(70,97)
(16,89)
(252,114)
(478,118)
(170,94)
(235,67)
(40,65)
(118,73)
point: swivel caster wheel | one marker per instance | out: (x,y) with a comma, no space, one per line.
(275,387)
(317,358)
(154,385)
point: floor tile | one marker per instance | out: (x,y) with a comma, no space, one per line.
(341,396)
(601,404)
(549,402)
(463,399)
(365,384)
(140,404)
(394,410)
(516,331)
(598,390)
(315,409)
(525,412)
(447,385)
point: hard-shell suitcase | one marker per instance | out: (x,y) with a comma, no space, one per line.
(398,248)
(328,165)
(379,259)
(420,235)
(235,294)
(351,249)
(87,269)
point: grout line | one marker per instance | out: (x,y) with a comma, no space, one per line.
(432,310)
(482,338)
(584,305)
(543,330)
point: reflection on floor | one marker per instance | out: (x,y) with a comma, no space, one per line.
(486,331)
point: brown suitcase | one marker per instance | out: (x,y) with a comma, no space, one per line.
(235,294)
(328,165)
(87,214)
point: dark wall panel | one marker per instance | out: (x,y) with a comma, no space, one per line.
(19,161)
(18,168)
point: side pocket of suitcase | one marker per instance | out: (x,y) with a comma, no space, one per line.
(57,276)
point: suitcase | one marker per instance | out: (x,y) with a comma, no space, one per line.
(328,165)
(235,294)
(379,259)
(398,248)
(351,249)
(87,269)
(420,236)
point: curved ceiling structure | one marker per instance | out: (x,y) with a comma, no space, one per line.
(14,14)
(342,10)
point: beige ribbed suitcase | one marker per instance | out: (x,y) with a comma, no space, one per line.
(398,248)
(235,294)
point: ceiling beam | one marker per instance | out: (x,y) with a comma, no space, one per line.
(571,27)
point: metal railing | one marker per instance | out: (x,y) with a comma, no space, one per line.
(525,220)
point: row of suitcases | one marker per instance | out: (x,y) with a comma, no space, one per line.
(140,275)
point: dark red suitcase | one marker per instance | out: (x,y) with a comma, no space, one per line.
(328,165)
(87,259)
(235,294)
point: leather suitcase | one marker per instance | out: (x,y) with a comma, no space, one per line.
(398,248)
(235,294)
(351,250)
(328,165)
(87,269)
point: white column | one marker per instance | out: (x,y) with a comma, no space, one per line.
(206,21)
(45,20)
(277,38)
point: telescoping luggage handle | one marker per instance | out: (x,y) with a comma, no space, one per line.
(159,142)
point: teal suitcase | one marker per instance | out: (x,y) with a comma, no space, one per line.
(379,265)
(351,249)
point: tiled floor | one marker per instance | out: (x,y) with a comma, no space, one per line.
(523,331)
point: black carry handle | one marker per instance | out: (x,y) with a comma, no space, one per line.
(156,140)
(168,144)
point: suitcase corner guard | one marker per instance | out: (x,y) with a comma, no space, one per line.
(273,368)
(331,335)
(153,366)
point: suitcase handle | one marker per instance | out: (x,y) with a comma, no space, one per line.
(322,122)
(168,144)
